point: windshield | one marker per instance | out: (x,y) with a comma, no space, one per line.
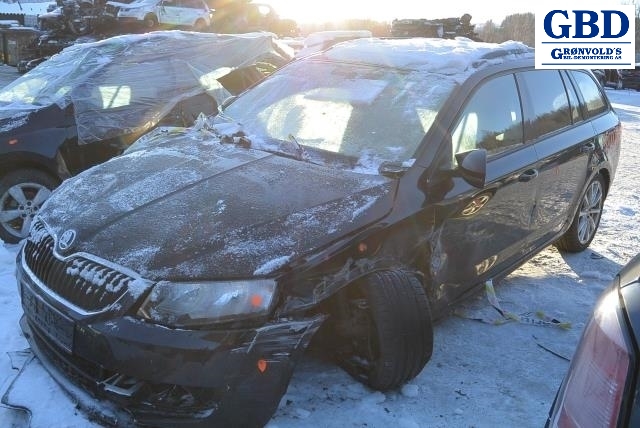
(370,114)
(50,82)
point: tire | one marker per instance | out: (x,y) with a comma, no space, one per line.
(200,25)
(587,219)
(150,21)
(391,332)
(22,193)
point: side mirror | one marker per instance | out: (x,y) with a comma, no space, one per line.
(472,167)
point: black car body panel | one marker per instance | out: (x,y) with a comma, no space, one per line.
(245,229)
(343,190)
(61,156)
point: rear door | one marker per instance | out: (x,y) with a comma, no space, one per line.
(192,10)
(564,142)
(569,144)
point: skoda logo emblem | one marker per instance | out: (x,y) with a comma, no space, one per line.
(66,240)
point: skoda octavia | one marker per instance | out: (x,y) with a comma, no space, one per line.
(351,197)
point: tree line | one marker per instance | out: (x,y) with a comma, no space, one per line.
(519,27)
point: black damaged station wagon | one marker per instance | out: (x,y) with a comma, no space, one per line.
(351,197)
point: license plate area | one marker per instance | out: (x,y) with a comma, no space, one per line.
(49,320)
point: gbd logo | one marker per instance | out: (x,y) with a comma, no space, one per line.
(591,35)
(586,24)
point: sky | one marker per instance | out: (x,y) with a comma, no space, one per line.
(316,11)
(321,11)
(481,375)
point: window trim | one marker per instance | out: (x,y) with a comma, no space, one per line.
(583,103)
(528,101)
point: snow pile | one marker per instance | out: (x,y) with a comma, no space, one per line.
(433,55)
(6,258)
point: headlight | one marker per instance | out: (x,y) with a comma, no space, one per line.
(192,304)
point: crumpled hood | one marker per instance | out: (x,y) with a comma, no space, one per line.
(192,208)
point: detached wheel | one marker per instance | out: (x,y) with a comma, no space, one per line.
(22,193)
(586,221)
(385,329)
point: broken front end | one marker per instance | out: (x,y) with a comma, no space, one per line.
(93,339)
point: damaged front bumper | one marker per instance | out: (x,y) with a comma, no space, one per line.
(126,372)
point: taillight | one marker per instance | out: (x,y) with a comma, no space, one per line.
(595,384)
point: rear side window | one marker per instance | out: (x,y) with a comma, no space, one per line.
(548,106)
(593,98)
(491,119)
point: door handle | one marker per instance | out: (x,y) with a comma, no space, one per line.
(528,175)
(588,148)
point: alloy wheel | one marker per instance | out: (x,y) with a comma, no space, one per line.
(590,211)
(19,205)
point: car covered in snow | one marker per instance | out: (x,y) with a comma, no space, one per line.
(601,387)
(91,101)
(351,197)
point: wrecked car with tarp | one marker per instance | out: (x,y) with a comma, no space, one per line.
(91,101)
(351,197)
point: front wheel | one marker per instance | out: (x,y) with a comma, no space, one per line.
(22,193)
(587,219)
(200,25)
(385,329)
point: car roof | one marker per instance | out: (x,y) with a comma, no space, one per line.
(445,56)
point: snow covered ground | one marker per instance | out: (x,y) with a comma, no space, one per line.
(481,374)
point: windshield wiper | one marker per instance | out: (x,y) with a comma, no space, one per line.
(301,153)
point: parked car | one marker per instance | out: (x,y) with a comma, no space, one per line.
(88,103)
(621,79)
(601,387)
(352,197)
(194,14)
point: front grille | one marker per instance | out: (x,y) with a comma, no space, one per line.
(85,283)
